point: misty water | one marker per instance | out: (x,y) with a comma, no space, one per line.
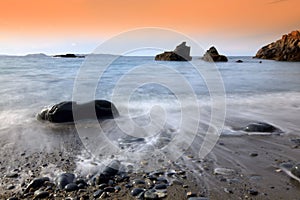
(265,92)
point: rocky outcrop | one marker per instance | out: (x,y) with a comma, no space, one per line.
(212,55)
(68,55)
(63,112)
(181,53)
(285,49)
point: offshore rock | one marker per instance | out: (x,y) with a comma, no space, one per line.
(181,53)
(285,49)
(212,55)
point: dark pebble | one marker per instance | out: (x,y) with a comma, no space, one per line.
(102,186)
(128,185)
(39,194)
(253,154)
(13,198)
(97,193)
(71,187)
(138,182)
(64,179)
(36,183)
(191,194)
(253,192)
(198,198)
(150,195)
(117,188)
(161,180)
(10,187)
(136,191)
(109,189)
(160,187)
(12,175)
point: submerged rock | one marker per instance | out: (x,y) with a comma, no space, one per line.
(296,170)
(212,55)
(181,53)
(285,49)
(261,127)
(63,112)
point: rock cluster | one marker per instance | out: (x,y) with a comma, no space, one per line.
(181,53)
(212,55)
(285,49)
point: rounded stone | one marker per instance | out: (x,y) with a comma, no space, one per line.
(296,170)
(136,191)
(71,187)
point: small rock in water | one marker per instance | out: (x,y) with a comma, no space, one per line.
(253,192)
(253,154)
(136,191)
(112,168)
(223,171)
(71,187)
(260,127)
(296,170)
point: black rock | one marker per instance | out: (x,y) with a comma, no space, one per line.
(212,55)
(136,191)
(112,168)
(160,187)
(260,127)
(198,198)
(97,193)
(39,194)
(71,187)
(63,112)
(109,189)
(149,194)
(253,192)
(12,175)
(239,61)
(13,198)
(68,55)
(181,53)
(296,170)
(102,186)
(36,183)
(138,182)
(64,179)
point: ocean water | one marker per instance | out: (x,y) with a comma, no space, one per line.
(160,97)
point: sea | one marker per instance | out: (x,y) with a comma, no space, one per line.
(163,105)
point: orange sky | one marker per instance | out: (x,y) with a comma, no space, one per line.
(219,19)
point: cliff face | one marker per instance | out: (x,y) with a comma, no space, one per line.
(285,49)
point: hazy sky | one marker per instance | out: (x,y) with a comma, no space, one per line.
(235,27)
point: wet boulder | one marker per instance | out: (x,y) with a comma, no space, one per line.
(63,112)
(261,127)
(65,179)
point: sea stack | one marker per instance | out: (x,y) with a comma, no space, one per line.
(212,55)
(181,53)
(285,49)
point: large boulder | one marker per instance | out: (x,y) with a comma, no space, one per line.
(181,53)
(212,55)
(285,49)
(63,112)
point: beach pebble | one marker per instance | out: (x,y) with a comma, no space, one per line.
(109,189)
(223,171)
(138,182)
(150,195)
(13,198)
(253,154)
(40,194)
(97,193)
(296,170)
(198,198)
(160,187)
(253,192)
(136,191)
(71,187)
(64,179)
(12,175)
(191,194)
(36,183)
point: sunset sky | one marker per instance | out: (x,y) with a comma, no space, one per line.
(235,27)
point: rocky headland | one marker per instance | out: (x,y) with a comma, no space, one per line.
(285,49)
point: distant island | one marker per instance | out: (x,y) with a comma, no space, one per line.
(69,55)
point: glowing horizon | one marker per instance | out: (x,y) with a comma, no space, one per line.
(235,27)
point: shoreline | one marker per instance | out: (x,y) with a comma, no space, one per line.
(253,162)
